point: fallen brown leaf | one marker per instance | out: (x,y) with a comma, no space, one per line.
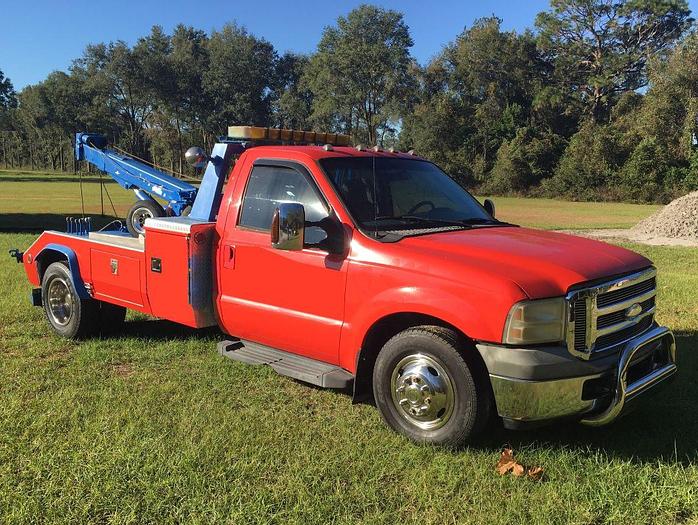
(507,463)
(535,473)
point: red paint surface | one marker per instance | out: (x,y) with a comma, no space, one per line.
(94,267)
(168,289)
(116,276)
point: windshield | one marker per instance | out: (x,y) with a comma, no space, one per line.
(404,194)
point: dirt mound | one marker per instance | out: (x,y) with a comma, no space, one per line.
(678,219)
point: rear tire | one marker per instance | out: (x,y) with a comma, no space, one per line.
(428,389)
(69,315)
(139,212)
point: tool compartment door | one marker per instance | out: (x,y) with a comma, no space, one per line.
(116,276)
(178,270)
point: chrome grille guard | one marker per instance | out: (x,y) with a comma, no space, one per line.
(623,392)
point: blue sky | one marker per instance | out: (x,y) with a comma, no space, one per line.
(40,36)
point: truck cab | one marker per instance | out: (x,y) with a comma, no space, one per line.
(373,271)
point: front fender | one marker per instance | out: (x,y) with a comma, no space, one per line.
(438,303)
(473,318)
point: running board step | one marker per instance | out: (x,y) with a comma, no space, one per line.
(287,364)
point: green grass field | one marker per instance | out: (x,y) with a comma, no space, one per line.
(153,426)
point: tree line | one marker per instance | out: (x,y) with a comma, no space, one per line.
(599,100)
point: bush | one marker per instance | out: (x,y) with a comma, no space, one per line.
(524,161)
(511,172)
(642,176)
(690,182)
(595,153)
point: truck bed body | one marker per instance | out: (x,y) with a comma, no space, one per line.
(168,276)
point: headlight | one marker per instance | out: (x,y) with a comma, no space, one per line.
(541,321)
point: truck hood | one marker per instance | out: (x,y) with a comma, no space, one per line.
(542,263)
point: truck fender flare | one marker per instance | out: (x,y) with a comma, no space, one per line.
(394,323)
(67,254)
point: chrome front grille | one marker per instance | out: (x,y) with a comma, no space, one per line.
(603,316)
(579,317)
(615,296)
(604,321)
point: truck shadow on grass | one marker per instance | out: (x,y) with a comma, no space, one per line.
(38,222)
(163,330)
(664,428)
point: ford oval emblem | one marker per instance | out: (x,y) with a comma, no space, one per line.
(633,311)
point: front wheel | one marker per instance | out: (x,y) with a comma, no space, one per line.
(139,212)
(427,389)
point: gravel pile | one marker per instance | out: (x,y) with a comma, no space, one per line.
(678,219)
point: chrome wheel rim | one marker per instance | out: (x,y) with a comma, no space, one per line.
(60,301)
(422,391)
(138,219)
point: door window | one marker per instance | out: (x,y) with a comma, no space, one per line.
(269,186)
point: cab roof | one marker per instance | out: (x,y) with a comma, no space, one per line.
(320,152)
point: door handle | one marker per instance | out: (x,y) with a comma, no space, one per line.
(229,256)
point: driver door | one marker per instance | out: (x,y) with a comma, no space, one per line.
(289,300)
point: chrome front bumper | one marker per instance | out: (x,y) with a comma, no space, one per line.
(525,400)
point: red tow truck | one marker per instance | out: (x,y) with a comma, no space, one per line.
(373,271)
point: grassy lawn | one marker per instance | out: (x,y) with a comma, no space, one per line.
(557,214)
(153,426)
(35,201)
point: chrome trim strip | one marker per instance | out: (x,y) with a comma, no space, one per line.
(624,392)
(623,325)
(627,303)
(87,239)
(624,282)
(174,224)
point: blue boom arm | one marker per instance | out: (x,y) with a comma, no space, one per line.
(132,174)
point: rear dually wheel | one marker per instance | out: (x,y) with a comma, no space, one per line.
(68,314)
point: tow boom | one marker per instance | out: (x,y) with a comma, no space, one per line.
(133,174)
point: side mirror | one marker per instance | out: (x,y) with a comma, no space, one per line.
(196,157)
(489,207)
(288,226)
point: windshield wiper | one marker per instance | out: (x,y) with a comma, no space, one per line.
(482,220)
(445,222)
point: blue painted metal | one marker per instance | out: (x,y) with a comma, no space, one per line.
(72,266)
(208,199)
(132,174)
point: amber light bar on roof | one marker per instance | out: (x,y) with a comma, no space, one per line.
(287,135)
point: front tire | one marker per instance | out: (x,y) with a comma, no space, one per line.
(139,212)
(69,315)
(428,390)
